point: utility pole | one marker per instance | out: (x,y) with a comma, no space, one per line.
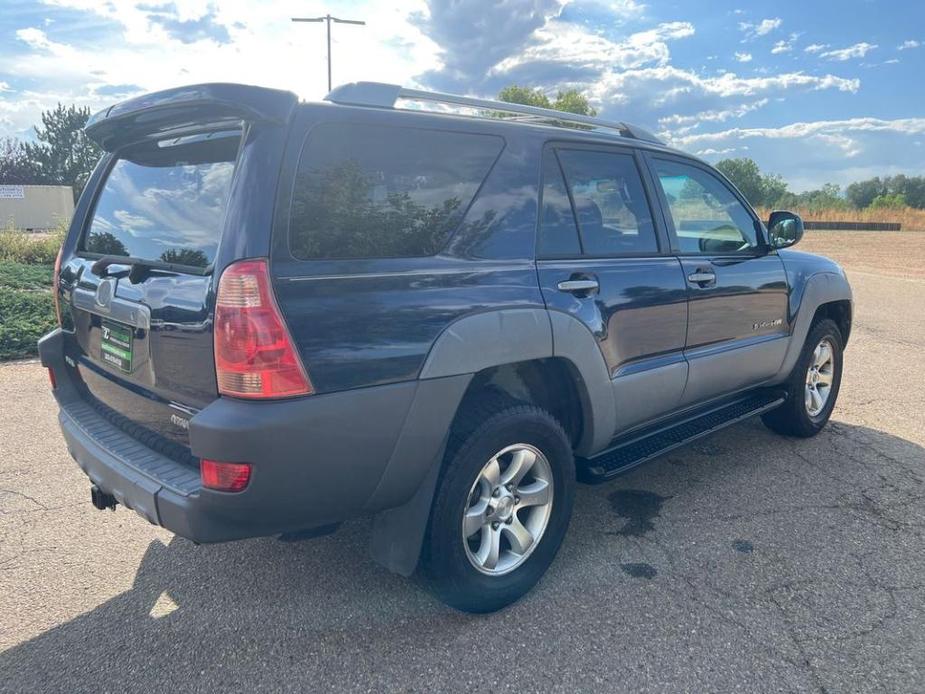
(328,18)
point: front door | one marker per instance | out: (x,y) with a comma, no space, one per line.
(602,259)
(738,318)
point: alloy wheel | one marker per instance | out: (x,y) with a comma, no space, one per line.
(508,509)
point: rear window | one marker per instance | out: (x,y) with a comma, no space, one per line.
(367,191)
(165,201)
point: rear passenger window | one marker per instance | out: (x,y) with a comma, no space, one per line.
(610,203)
(369,191)
(558,233)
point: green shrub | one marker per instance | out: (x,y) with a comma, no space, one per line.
(21,247)
(889,201)
(25,315)
(20,276)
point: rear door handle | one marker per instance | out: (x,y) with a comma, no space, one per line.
(702,277)
(578,286)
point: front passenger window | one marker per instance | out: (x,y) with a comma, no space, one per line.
(708,217)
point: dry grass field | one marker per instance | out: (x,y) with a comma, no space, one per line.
(910,218)
(898,254)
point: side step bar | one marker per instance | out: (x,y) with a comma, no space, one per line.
(640,447)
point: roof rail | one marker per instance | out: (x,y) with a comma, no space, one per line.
(381,95)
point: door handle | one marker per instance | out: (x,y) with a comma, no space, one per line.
(584,286)
(702,277)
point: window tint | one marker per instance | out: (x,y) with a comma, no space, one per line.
(366,191)
(708,217)
(165,201)
(558,233)
(610,202)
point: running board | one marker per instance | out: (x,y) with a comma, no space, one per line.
(637,448)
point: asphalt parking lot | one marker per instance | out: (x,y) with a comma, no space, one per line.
(744,562)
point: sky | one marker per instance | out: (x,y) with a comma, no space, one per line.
(817,91)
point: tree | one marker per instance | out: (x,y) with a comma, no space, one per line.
(570,100)
(63,154)
(774,187)
(761,190)
(105,243)
(15,165)
(888,201)
(746,176)
(515,94)
(862,193)
(192,257)
(574,101)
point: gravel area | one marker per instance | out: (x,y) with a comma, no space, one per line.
(743,562)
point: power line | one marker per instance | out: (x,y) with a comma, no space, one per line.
(328,19)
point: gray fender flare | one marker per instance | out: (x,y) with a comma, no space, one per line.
(821,288)
(467,346)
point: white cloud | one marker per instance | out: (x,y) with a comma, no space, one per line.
(626,7)
(648,94)
(683,122)
(785,46)
(762,28)
(906,45)
(906,126)
(858,50)
(577,47)
(816,47)
(709,151)
(743,57)
(265,48)
(811,153)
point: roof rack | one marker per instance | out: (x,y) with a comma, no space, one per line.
(382,95)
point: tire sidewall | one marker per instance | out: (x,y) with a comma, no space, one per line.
(456,578)
(824,330)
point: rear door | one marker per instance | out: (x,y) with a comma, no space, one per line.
(142,334)
(602,257)
(738,319)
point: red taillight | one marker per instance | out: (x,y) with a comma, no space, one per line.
(224,477)
(254,355)
(51,378)
(56,283)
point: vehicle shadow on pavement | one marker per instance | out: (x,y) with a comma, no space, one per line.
(320,613)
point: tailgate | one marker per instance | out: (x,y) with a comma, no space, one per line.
(140,299)
(186,187)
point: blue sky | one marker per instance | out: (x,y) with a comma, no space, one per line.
(819,91)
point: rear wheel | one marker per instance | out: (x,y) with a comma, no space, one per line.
(813,385)
(501,509)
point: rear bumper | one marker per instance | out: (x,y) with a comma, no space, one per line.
(316,460)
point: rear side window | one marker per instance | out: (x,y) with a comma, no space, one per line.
(165,201)
(368,191)
(610,203)
(558,233)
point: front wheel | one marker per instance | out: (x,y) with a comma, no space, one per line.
(501,509)
(813,385)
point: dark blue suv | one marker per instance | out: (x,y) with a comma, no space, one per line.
(436,310)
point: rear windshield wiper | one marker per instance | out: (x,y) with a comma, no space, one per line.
(139,266)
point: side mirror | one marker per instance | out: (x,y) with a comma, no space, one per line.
(784,229)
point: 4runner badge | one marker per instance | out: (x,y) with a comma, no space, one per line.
(760,325)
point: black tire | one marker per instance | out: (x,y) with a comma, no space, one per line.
(793,417)
(478,437)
